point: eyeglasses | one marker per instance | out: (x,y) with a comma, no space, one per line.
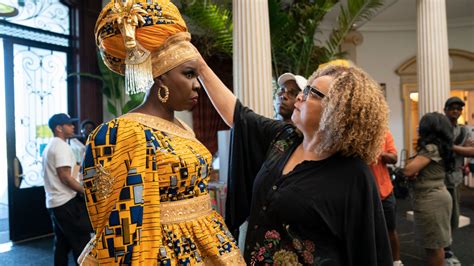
(314,92)
(454,108)
(289,92)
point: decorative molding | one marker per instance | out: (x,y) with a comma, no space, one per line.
(411,25)
(23,32)
(408,68)
(49,15)
(461,79)
(354,37)
(402,25)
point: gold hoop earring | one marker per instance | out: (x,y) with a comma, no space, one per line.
(163,99)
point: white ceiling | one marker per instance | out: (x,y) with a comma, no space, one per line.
(404,12)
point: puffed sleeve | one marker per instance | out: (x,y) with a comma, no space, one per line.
(114,171)
(430,151)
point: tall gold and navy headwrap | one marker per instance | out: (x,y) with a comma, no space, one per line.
(142,39)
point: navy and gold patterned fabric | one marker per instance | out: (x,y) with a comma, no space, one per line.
(146,192)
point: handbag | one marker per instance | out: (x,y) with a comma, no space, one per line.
(400,183)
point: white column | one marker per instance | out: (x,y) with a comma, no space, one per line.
(349,46)
(252,55)
(433,56)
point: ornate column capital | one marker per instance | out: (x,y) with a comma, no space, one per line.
(354,37)
(352,40)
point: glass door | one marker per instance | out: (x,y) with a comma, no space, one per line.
(34,57)
(36,88)
(4,227)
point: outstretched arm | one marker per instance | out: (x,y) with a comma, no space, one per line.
(464,151)
(416,165)
(221,97)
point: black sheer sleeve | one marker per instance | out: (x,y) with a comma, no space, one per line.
(366,235)
(251,137)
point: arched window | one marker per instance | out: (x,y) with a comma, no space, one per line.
(47,15)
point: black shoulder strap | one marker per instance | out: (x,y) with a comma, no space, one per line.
(461,136)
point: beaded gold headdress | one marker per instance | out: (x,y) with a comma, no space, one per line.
(142,40)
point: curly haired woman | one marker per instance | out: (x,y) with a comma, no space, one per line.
(306,189)
(432,202)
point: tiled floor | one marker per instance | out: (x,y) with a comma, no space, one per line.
(3,211)
(37,252)
(463,238)
(4,226)
(40,252)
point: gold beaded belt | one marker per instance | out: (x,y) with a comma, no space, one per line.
(171,212)
(185,210)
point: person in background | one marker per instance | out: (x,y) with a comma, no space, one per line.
(384,184)
(290,86)
(77,143)
(64,199)
(453,108)
(432,203)
(87,126)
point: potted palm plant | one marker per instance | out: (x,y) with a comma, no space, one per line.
(294,25)
(113,84)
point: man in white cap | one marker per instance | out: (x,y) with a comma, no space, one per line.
(290,85)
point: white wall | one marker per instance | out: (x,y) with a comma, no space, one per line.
(186,116)
(383,51)
(461,38)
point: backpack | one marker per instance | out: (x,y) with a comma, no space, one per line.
(461,137)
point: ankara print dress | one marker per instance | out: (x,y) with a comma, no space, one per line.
(146,192)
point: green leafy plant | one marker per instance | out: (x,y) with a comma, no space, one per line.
(210,25)
(357,11)
(113,88)
(293,25)
(292,30)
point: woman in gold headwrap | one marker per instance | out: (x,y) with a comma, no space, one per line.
(145,173)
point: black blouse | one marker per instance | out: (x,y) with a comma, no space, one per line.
(324,212)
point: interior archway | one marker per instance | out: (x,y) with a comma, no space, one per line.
(462,85)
